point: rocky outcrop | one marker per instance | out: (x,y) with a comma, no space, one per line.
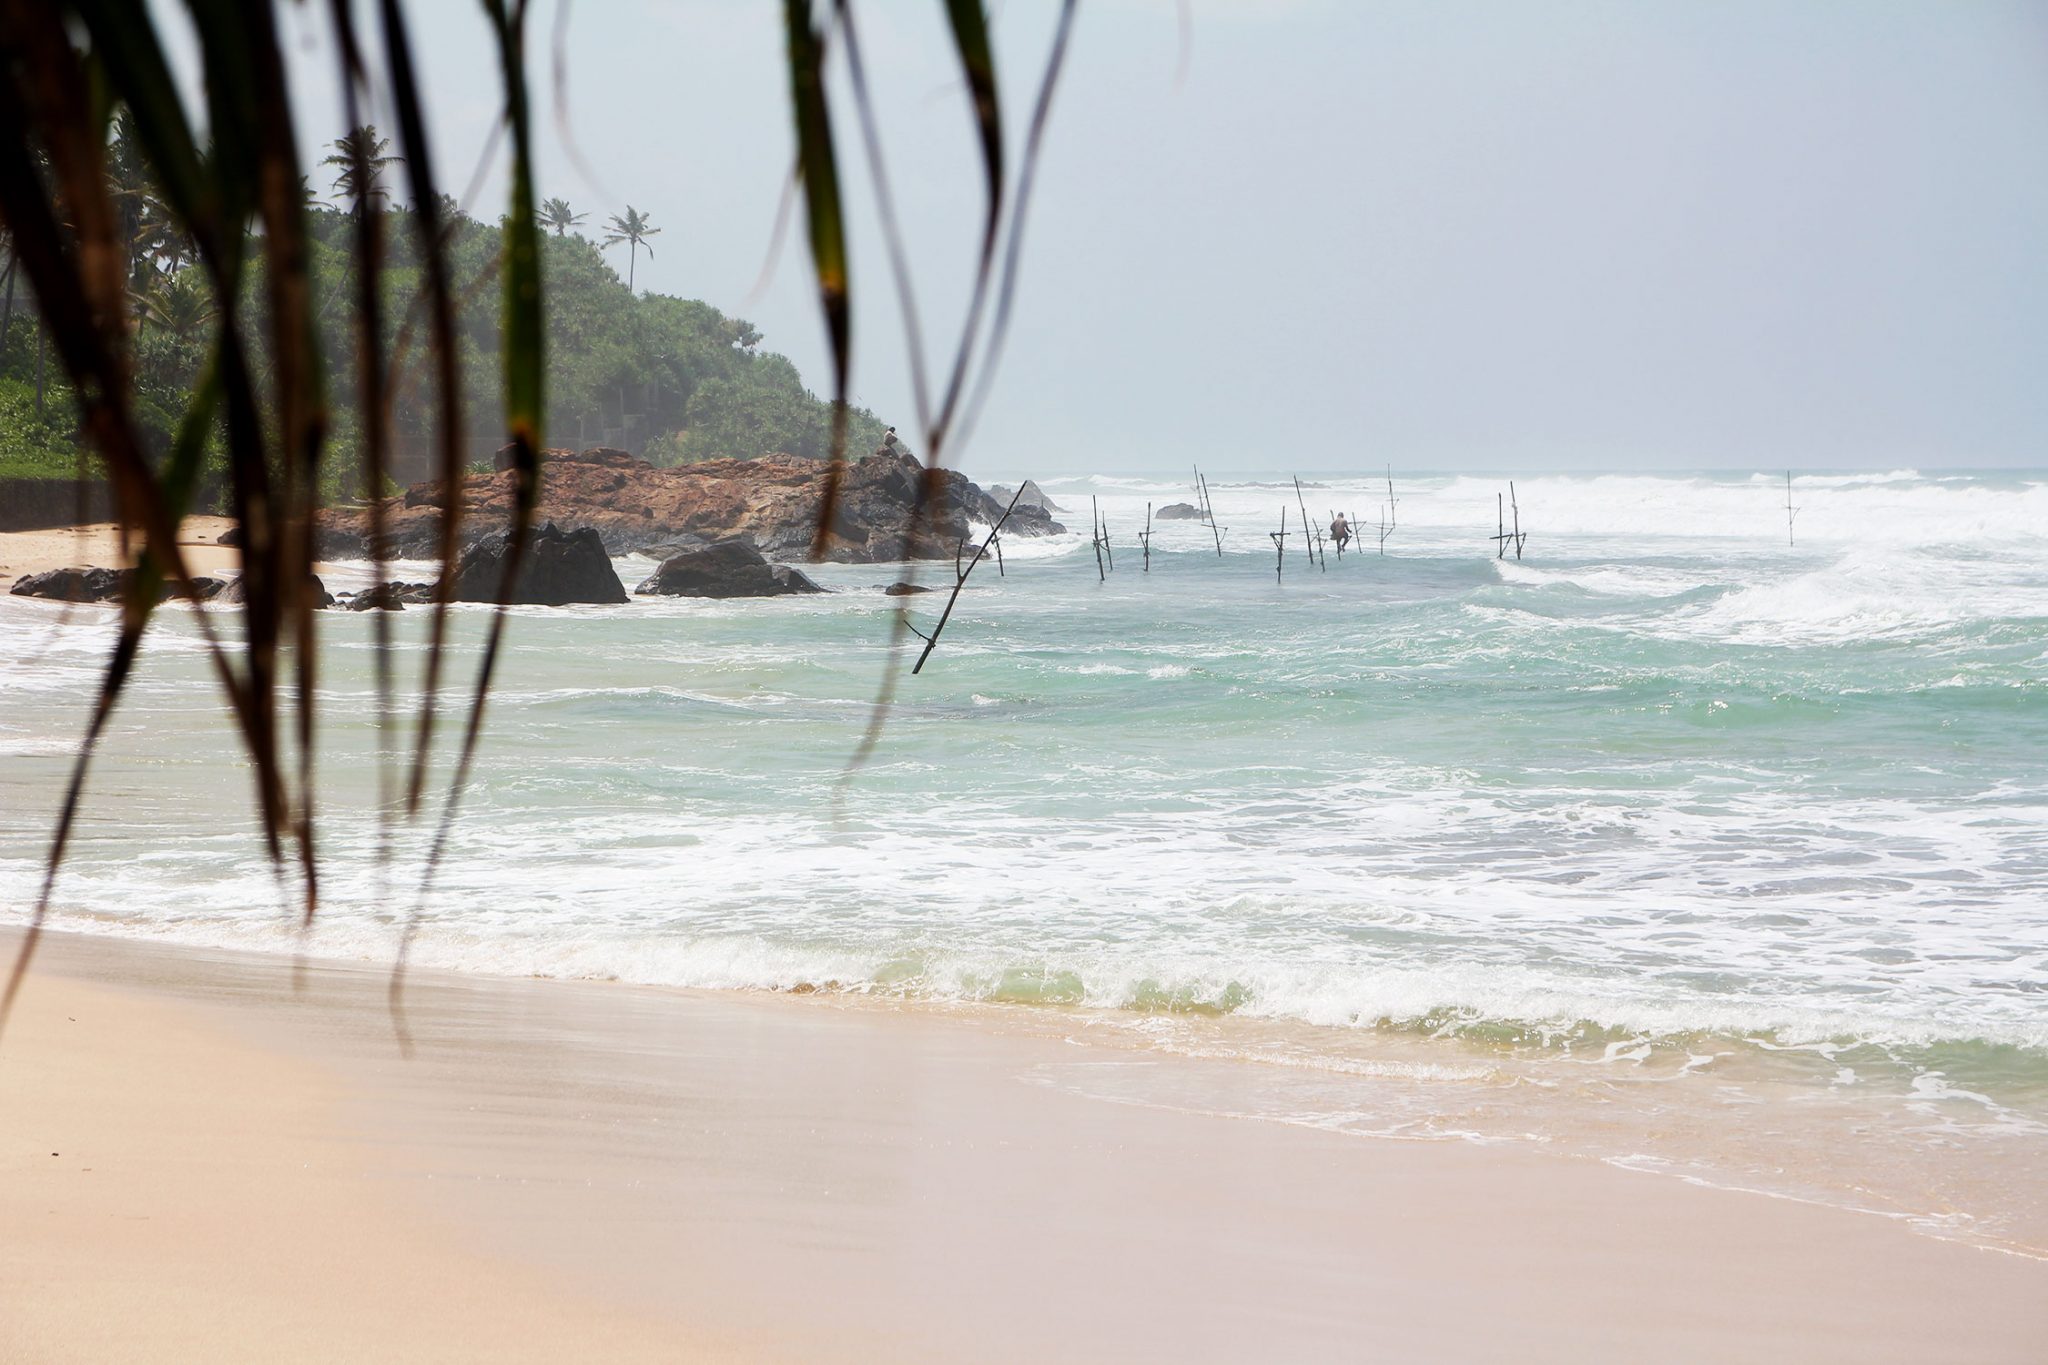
(105,585)
(1180,511)
(903,589)
(74,584)
(773,502)
(725,568)
(560,569)
(1031,495)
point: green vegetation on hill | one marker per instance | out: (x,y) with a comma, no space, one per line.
(669,379)
(32,448)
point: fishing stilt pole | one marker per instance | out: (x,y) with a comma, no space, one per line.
(1503,537)
(1145,538)
(1310,541)
(959,581)
(1095,515)
(1209,510)
(1279,538)
(1790,510)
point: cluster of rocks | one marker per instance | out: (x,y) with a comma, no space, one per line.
(774,502)
(560,568)
(1181,511)
(712,528)
(112,585)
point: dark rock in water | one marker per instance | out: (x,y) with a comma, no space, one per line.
(73,585)
(725,568)
(232,536)
(383,597)
(205,589)
(561,568)
(234,594)
(902,589)
(1180,511)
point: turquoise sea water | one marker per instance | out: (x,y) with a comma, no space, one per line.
(1672,843)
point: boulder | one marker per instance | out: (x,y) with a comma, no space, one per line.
(383,597)
(232,536)
(1180,511)
(725,568)
(902,589)
(561,568)
(233,593)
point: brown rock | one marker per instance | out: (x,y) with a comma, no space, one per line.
(773,502)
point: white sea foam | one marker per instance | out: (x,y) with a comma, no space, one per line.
(1665,777)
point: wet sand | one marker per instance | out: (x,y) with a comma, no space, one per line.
(196,1163)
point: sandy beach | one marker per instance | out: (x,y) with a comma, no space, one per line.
(27,552)
(201,1164)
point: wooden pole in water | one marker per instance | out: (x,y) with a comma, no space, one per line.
(1145,538)
(1516,507)
(1095,516)
(1209,510)
(1279,544)
(1790,510)
(1309,539)
(959,581)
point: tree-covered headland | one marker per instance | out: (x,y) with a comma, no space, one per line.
(671,379)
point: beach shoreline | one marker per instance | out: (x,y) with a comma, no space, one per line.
(98,545)
(652,1173)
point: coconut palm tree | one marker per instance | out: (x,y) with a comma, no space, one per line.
(555,214)
(362,144)
(634,229)
(181,304)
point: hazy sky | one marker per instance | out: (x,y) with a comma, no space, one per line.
(1435,234)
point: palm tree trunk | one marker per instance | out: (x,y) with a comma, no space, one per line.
(632,260)
(7,317)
